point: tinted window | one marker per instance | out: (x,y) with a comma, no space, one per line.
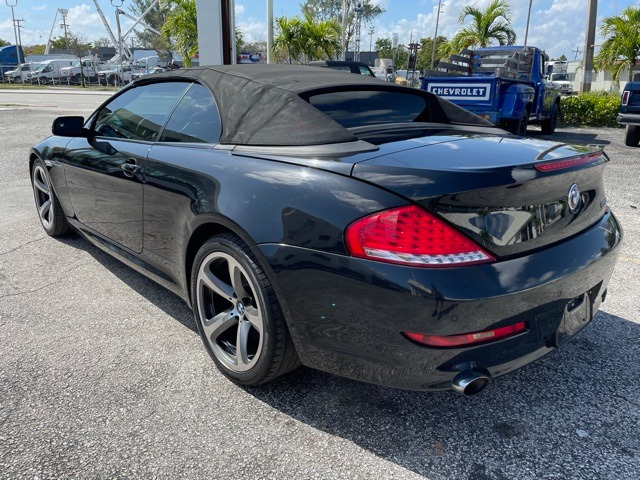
(195,119)
(365,71)
(139,113)
(354,109)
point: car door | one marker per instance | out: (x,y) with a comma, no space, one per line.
(105,171)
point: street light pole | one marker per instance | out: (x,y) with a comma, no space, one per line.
(526,32)
(14,3)
(435,36)
(371,32)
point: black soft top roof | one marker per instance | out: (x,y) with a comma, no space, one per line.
(264,104)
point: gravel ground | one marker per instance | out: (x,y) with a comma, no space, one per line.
(102,375)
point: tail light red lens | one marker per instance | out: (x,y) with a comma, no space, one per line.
(570,162)
(466,339)
(412,236)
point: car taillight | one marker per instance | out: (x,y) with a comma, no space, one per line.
(625,98)
(412,236)
(466,339)
(570,162)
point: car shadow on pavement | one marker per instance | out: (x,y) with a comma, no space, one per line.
(162,298)
(576,410)
(573,137)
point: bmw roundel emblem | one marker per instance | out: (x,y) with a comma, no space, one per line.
(573,198)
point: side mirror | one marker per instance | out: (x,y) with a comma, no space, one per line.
(68,127)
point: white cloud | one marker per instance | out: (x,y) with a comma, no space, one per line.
(557,27)
(239,9)
(39,8)
(253,30)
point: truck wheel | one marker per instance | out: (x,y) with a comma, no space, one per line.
(518,127)
(76,80)
(632,136)
(549,125)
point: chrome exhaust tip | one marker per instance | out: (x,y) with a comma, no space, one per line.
(470,382)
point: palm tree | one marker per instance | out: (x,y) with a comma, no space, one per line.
(320,39)
(182,26)
(288,42)
(621,48)
(486,26)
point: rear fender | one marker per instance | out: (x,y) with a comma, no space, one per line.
(515,100)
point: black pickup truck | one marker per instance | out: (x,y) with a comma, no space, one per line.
(629,113)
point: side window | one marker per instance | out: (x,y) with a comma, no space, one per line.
(195,119)
(139,113)
(365,71)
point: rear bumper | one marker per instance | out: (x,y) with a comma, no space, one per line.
(628,118)
(345,315)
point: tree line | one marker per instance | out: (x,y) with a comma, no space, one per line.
(318,33)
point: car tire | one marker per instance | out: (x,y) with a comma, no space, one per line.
(237,313)
(548,125)
(632,136)
(50,212)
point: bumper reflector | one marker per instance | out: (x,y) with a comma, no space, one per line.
(466,338)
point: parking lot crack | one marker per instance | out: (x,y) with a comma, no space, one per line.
(53,282)
(6,252)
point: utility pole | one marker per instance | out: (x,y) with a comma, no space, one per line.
(526,32)
(359,8)
(435,36)
(371,32)
(345,11)
(63,12)
(12,4)
(590,39)
(269,29)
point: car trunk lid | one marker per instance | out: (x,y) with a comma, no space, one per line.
(510,195)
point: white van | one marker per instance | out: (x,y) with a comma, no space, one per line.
(20,73)
(49,71)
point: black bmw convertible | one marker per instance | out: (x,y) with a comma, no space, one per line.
(358,227)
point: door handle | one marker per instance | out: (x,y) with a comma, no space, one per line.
(130,167)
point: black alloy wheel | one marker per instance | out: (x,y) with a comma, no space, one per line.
(237,313)
(50,212)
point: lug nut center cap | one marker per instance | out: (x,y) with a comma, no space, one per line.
(240,308)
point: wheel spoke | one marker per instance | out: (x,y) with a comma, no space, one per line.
(42,186)
(219,324)
(241,343)
(253,315)
(236,274)
(216,285)
(45,210)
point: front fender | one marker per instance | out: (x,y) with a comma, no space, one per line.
(51,151)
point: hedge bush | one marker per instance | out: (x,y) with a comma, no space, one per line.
(594,109)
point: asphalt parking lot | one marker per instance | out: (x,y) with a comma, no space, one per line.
(103,375)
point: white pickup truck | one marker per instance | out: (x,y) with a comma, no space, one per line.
(88,68)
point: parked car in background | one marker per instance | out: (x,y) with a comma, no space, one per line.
(629,113)
(505,85)
(21,73)
(118,75)
(563,82)
(89,68)
(370,230)
(345,66)
(50,71)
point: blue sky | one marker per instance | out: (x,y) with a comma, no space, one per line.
(556,25)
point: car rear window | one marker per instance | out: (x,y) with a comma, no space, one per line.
(371,107)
